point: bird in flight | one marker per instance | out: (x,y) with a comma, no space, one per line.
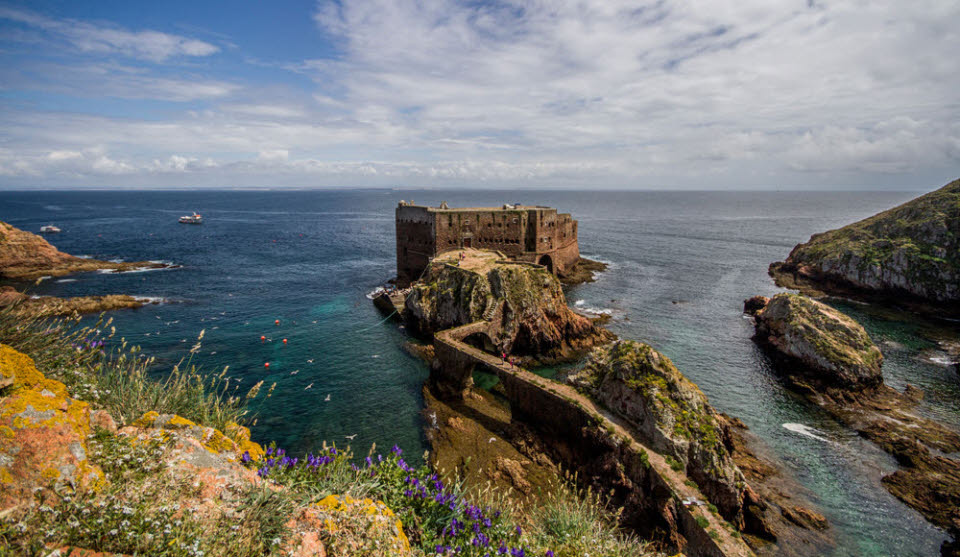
(294,372)
(309,361)
(310,386)
(327,399)
(350,437)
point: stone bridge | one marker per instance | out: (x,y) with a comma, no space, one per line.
(565,417)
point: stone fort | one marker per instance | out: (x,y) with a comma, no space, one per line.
(534,234)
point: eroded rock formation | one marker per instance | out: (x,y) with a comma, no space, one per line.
(670,413)
(910,251)
(829,358)
(526,302)
(52,305)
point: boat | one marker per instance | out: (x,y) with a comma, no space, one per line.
(49,229)
(195,218)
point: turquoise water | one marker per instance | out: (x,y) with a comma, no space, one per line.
(680,266)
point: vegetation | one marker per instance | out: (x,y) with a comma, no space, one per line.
(376,506)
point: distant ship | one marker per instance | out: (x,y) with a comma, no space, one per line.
(49,229)
(195,218)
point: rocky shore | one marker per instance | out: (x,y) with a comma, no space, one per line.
(829,358)
(27,256)
(584,270)
(54,306)
(908,255)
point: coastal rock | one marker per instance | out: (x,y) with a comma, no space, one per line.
(27,256)
(751,306)
(54,306)
(833,348)
(670,413)
(526,301)
(43,435)
(911,250)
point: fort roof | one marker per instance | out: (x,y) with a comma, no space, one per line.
(443,208)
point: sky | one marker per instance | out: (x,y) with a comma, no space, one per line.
(602,94)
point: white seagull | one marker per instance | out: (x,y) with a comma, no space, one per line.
(350,437)
(327,399)
(309,386)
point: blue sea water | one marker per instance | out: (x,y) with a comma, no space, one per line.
(680,266)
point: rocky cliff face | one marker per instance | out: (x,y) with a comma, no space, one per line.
(912,249)
(526,302)
(670,412)
(27,256)
(835,350)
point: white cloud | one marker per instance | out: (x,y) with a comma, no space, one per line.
(87,37)
(615,93)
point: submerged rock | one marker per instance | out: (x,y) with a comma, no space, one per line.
(834,349)
(911,250)
(526,301)
(670,413)
(27,256)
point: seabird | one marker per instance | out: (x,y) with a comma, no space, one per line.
(350,437)
(309,386)
(327,399)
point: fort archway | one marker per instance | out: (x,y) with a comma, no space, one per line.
(547,262)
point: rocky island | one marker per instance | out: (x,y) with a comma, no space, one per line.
(829,358)
(908,255)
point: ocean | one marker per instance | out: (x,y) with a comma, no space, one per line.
(680,266)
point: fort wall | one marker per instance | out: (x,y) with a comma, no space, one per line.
(533,234)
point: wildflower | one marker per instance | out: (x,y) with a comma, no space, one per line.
(396,450)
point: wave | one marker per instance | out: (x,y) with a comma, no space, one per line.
(66,280)
(943,360)
(806,431)
(151,299)
(375,292)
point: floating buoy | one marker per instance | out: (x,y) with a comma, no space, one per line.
(284,341)
(263,338)
(266,364)
(276,321)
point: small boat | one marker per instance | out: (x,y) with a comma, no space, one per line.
(195,218)
(49,229)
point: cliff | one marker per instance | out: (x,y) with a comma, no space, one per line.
(526,302)
(670,413)
(27,256)
(828,357)
(912,250)
(834,349)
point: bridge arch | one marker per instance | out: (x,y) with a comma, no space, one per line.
(482,340)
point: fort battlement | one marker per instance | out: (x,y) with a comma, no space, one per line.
(534,234)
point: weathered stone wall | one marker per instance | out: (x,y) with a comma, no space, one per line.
(416,242)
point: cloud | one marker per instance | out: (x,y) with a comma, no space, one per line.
(148,45)
(664,93)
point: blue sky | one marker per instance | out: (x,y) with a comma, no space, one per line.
(512,94)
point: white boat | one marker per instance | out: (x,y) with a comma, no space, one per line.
(195,218)
(49,229)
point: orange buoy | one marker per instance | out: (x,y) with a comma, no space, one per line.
(266,364)
(276,321)
(262,338)
(284,341)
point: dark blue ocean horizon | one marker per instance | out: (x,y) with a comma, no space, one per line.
(681,264)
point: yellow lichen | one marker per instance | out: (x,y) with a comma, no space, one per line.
(19,367)
(50,473)
(178,422)
(377,511)
(5,477)
(146,420)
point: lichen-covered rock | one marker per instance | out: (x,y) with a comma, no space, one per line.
(236,442)
(526,301)
(43,433)
(913,248)
(358,527)
(670,413)
(835,350)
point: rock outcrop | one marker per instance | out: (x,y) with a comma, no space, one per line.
(834,349)
(43,435)
(670,413)
(27,256)
(525,301)
(910,251)
(54,306)
(829,358)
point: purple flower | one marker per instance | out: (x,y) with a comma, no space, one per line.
(396,450)
(246,457)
